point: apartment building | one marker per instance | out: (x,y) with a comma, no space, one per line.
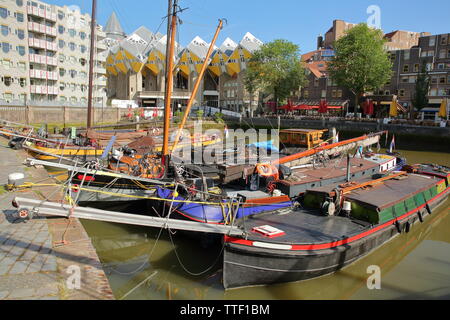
(44,55)
(433,52)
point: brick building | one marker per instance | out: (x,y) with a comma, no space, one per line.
(320,86)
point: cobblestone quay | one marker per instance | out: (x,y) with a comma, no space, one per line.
(45,258)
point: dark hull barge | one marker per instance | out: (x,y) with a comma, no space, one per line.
(306,243)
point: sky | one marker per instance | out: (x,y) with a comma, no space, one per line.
(298,21)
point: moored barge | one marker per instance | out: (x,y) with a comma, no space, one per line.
(334,227)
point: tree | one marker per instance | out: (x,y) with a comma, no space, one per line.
(361,63)
(420,100)
(275,68)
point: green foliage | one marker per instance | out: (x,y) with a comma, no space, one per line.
(200,114)
(420,99)
(361,63)
(275,68)
(218,117)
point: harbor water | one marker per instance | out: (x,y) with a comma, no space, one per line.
(144,263)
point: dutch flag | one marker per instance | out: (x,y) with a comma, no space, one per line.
(392,146)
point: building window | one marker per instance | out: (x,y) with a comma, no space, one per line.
(405,79)
(21,34)
(73,73)
(5,30)
(407,54)
(441,66)
(72,46)
(316,82)
(416,67)
(441,80)
(339,94)
(72,32)
(61,44)
(21,50)
(22,66)
(401,93)
(7,81)
(82,48)
(82,35)
(393,57)
(434,80)
(306,94)
(432,41)
(62,58)
(19,3)
(62,99)
(61,29)
(19,17)
(3,13)
(5,47)
(60,15)
(83,61)
(62,72)
(23,82)
(406,68)
(443,41)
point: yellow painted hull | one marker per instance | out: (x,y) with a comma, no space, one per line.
(86,152)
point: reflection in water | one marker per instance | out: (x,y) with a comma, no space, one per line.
(144,263)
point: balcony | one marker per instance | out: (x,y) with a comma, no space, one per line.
(45,75)
(51,90)
(100,82)
(41,13)
(100,70)
(41,59)
(42,44)
(183,95)
(41,28)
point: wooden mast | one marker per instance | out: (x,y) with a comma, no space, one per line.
(197,84)
(169,85)
(91,65)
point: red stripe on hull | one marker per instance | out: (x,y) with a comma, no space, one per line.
(330,245)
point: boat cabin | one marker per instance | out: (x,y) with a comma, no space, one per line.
(305,138)
(310,176)
(383,202)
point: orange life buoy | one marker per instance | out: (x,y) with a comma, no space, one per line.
(267,170)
